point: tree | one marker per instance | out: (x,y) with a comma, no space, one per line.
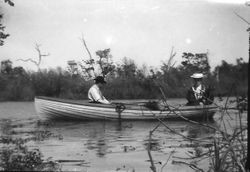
(19,71)
(232,78)
(105,61)
(72,68)
(127,69)
(88,65)
(103,64)
(6,66)
(195,63)
(2,34)
(170,64)
(40,56)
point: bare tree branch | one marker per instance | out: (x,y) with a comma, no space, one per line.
(86,47)
(29,59)
(242,18)
(40,55)
(91,60)
(172,55)
(171,153)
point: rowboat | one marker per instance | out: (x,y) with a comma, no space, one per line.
(52,108)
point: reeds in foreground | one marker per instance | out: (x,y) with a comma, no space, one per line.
(226,151)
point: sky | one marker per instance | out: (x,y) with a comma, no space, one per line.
(143,30)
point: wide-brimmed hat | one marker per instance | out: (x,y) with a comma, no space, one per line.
(197,76)
(100,79)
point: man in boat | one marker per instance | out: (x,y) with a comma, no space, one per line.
(95,94)
(198,94)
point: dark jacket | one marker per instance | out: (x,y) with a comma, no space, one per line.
(206,97)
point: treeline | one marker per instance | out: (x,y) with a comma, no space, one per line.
(125,80)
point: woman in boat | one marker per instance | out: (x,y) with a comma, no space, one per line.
(198,94)
(95,94)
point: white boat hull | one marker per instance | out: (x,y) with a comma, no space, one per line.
(59,108)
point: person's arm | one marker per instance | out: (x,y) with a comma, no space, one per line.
(103,101)
(209,97)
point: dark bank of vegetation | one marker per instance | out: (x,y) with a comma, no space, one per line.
(125,80)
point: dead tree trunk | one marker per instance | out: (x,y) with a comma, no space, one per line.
(40,56)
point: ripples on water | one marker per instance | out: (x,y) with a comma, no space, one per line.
(101,146)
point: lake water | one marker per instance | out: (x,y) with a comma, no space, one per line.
(107,146)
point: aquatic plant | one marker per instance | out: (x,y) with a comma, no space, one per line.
(15,156)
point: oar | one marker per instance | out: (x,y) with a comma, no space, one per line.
(132,104)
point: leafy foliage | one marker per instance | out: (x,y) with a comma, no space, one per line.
(2,34)
(9,2)
(195,63)
(230,76)
(6,66)
(103,65)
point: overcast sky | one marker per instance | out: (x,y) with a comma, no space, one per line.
(143,30)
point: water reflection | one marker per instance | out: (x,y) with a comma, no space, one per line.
(105,137)
(110,137)
(5,127)
(91,141)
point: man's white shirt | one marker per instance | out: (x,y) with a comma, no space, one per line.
(95,95)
